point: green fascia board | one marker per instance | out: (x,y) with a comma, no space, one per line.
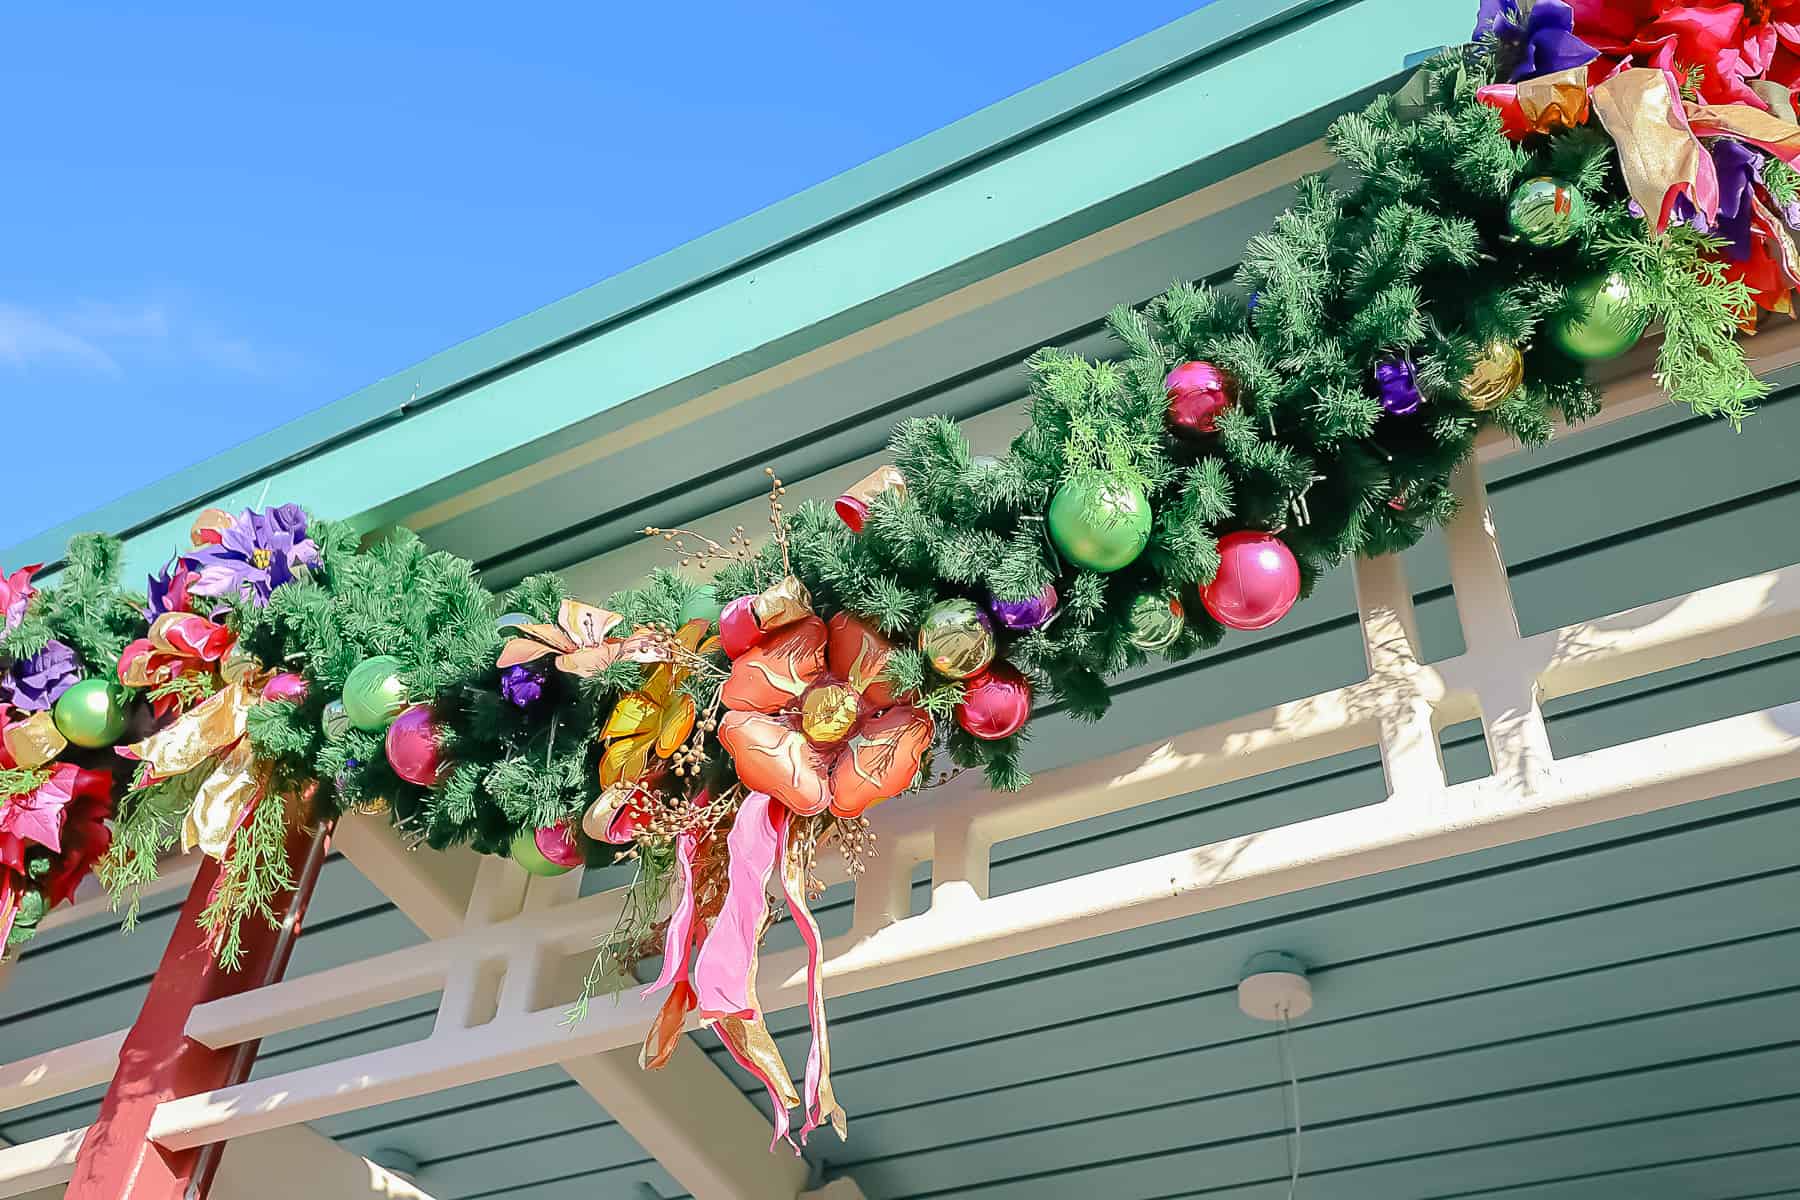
(853,249)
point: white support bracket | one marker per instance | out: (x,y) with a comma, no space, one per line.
(689,1116)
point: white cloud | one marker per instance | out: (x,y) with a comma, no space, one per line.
(107,337)
(27,337)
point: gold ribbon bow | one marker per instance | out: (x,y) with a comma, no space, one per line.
(211,737)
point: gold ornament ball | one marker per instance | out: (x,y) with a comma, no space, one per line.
(238,665)
(829,713)
(371,806)
(957,637)
(1496,375)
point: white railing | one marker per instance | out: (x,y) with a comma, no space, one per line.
(496,1014)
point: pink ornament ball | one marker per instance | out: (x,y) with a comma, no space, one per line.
(995,703)
(1198,393)
(558,844)
(1258,581)
(738,627)
(285,686)
(415,747)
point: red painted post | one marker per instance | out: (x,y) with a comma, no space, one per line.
(159,1062)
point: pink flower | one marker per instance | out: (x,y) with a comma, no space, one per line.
(15,595)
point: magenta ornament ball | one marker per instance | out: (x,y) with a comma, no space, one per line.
(285,686)
(1198,393)
(995,703)
(1257,583)
(415,747)
(738,627)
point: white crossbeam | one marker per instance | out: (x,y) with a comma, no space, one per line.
(689,1116)
(293,1163)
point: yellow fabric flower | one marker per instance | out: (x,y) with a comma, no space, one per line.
(656,718)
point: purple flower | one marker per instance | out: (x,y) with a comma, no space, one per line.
(523,685)
(33,684)
(256,555)
(1538,39)
(1738,166)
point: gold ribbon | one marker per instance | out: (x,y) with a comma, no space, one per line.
(1747,124)
(210,735)
(1555,101)
(34,741)
(1658,152)
(822,1105)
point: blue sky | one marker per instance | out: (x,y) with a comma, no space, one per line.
(213,218)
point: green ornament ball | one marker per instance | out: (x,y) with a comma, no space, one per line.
(1100,522)
(528,854)
(1609,319)
(90,713)
(1155,622)
(1545,211)
(374,695)
(702,605)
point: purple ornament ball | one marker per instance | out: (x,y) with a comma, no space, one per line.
(1397,387)
(415,747)
(1027,614)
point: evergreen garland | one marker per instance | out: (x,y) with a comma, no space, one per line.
(1406,256)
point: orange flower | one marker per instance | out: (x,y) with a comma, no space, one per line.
(813,724)
(657,717)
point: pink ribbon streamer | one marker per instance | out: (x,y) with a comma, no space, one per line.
(724,969)
(678,941)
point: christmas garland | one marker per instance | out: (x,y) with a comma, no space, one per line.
(1523,207)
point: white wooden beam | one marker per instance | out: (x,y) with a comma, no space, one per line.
(690,1117)
(293,1163)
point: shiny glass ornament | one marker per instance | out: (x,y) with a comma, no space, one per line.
(287,686)
(415,747)
(1608,320)
(1198,392)
(829,713)
(995,703)
(957,638)
(90,713)
(1156,622)
(1100,522)
(1545,211)
(334,720)
(1396,384)
(374,694)
(1257,583)
(1033,612)
(1496,374)
(238,664)
(547,852)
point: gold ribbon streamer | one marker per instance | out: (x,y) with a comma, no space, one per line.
(1747,124)
(1658,152)
(212,733)
(793,880)
(755,1046)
